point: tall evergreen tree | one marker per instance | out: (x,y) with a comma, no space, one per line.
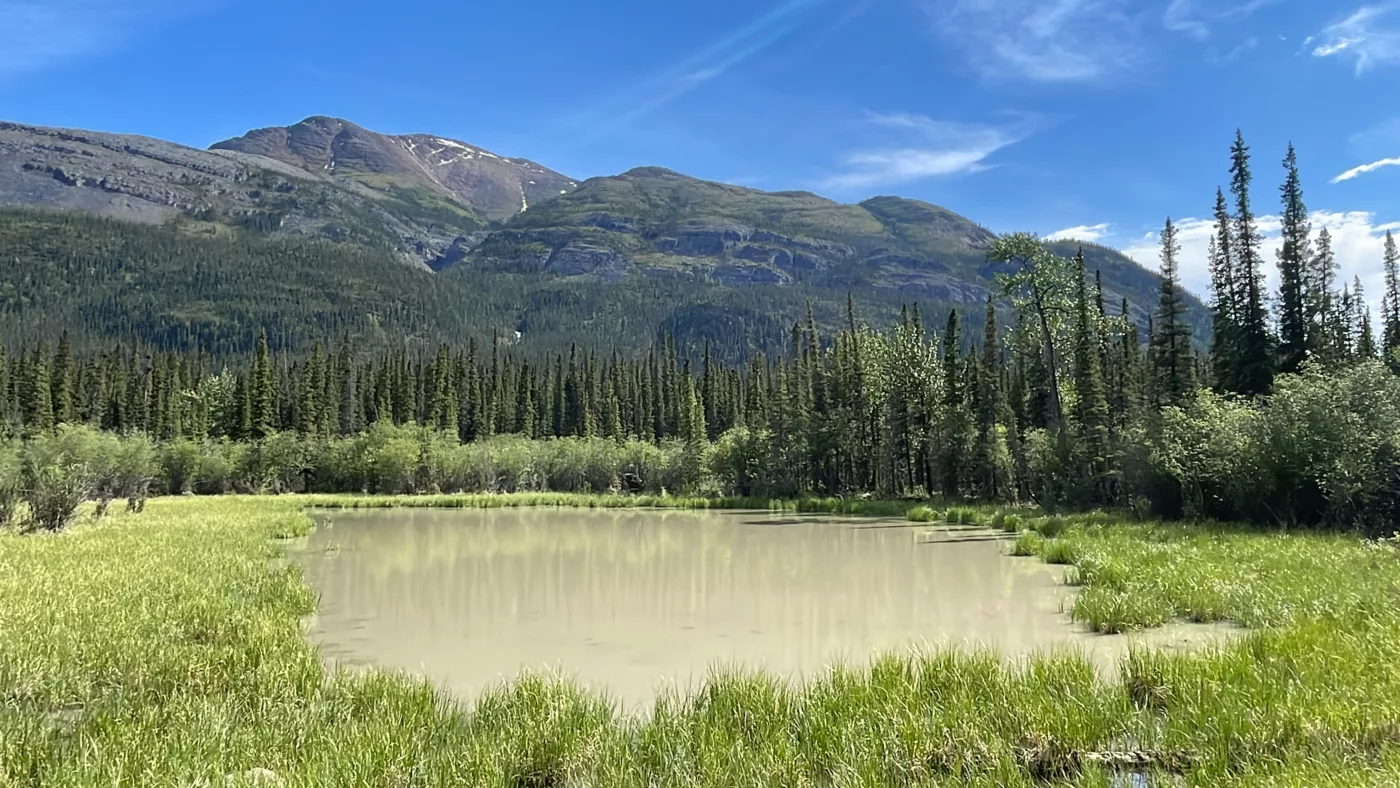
(61,381)
(1173,360)
(1254,371)
(1327,334)
(1293,258)
(37,402)
(954,426)
(264,416)
(1090,403)
(988,407)
(1390,310)
(1224,313)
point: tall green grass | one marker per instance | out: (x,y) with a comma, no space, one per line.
(166,649)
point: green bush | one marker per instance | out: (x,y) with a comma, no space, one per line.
(11,488)
(736,461)
(58,471)
(179,464)
(923,514)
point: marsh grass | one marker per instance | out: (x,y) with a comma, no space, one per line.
(165,649)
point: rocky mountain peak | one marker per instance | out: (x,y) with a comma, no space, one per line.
(494,186)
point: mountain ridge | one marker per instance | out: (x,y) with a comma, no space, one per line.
(622,256)
(496,187)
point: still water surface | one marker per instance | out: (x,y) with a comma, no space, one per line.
(634,601)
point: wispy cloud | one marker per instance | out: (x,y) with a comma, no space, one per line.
(1248,45)
(37,34)
(1084,232)
(917,147)
(1365,168)
(1180,17)
(1371,36)
(1041,40)
(705,65)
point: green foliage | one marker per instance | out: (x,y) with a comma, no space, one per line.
(11,482)
(59,472)
(923,514)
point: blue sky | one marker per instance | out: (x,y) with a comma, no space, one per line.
(1086,118)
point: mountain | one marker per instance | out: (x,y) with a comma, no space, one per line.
(151,181)
(652,223)
(493,186)
(306,229)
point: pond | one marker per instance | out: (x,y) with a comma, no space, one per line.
(634,601)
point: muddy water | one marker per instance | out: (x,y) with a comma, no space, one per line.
(633,601)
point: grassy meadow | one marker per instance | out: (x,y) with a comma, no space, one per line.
(166,648)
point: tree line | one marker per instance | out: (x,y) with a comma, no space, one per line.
(1290,416)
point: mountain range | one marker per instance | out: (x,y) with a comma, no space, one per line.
(529,250)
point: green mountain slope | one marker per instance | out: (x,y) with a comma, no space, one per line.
(654,224)
(307,229)
(105,280)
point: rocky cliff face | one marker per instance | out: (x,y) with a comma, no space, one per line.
(658,224)
(495,187)
(152,181)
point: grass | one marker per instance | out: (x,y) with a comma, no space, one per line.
(165,649)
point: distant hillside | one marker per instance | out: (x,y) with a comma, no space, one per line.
(493,186)
(104,281)
(652,223)
(307,229)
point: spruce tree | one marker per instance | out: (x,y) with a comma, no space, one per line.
(953,429)
(38,392)
(1224,300)
(1327,335)
(988,404)
(347,411)
(61,381)
(264,417)
(1090,404)
(1292,261)
(1172,357)
(1254,371)
(1390,313)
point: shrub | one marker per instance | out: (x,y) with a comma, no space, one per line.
(179,463)
(11,488)
(218,464)
(923,514)
(57,472)
(736,460)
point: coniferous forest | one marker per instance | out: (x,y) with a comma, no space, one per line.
(1288,412)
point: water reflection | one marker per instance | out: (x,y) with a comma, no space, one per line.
(627,600)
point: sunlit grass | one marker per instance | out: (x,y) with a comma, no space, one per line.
(166,649)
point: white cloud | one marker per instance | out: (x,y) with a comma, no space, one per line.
(1371,36)
(1365,168)
(36,34)
(918,147)
(1357,240)
(1196,20)
(1041,40)
(1084,232)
